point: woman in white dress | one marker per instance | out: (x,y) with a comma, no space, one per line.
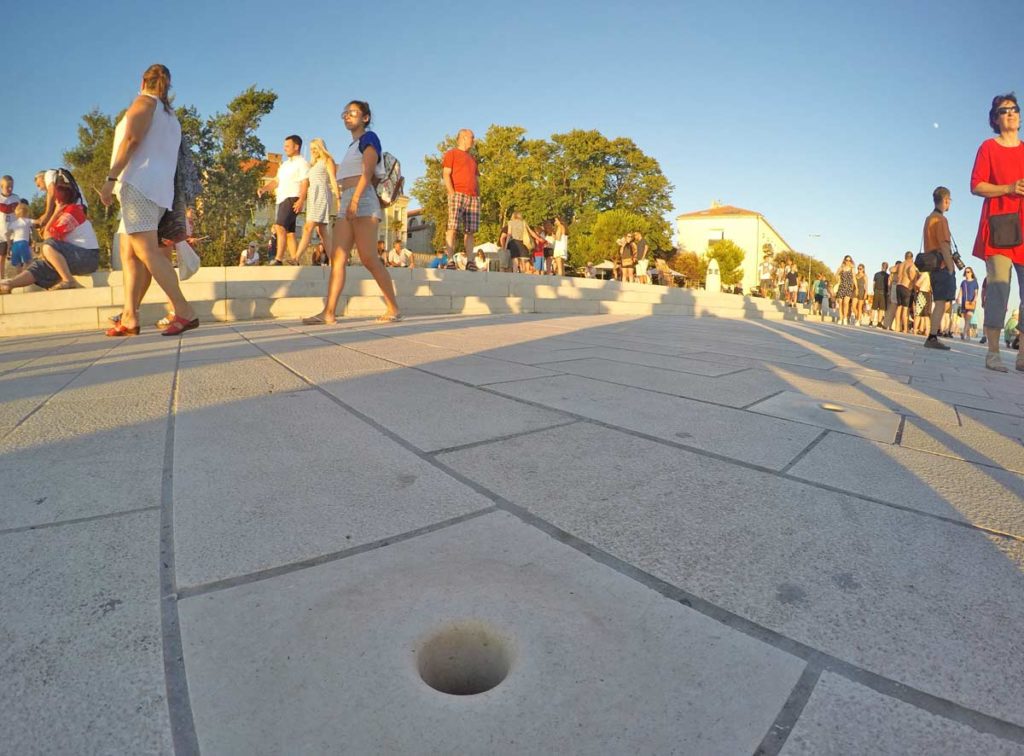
(323,200)
(561,252)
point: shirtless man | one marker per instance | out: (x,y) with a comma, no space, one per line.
(905,291)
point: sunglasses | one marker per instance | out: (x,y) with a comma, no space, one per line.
(1004,111)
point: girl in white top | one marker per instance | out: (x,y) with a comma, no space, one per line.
(361,213)
(142,168)
(561,251)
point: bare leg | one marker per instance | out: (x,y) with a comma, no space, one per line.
(56,259)
(468,243)
(365,232)
(449,242)
(3,265)
(22,279)
(136,282)
(307,235)
(290,242)
(938,315)
(145,247)
(279,233)
(343,240)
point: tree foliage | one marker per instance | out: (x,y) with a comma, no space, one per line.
(89,161)
(577,176)
(806,262)
(730,260)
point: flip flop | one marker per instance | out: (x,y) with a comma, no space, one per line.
(316,320)
(165,321)
(66,285)
(390,318)
(5,287)
(119,330)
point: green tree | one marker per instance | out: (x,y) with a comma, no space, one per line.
(576,176)
(609,226)
(813,264)
(230,158)
(89,161)
(690,265)
(730,260)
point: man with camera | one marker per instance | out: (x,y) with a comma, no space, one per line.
(938,245)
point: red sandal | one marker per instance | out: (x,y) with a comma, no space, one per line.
(180,325)
(120,330)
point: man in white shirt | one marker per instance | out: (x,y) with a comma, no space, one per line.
(400,257)
(290,191)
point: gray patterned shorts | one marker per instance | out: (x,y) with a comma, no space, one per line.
(138,213)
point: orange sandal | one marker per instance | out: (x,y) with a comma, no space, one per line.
(120,330)
(179,325)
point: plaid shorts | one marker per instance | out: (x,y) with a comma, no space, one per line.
(464,213)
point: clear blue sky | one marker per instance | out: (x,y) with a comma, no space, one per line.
(819,115)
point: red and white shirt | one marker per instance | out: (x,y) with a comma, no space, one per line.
(7,205)
(71,225)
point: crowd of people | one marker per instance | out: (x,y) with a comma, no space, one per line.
(340,200)
(919,294)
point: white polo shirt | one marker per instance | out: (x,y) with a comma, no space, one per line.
(290,176)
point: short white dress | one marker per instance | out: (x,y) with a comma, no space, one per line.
(319,199)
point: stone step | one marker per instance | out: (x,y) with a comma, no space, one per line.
(231,293)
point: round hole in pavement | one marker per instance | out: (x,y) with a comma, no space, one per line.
(832,407)
(464,659)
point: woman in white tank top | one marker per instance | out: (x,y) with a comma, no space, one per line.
(142,167)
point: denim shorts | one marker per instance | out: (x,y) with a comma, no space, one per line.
(81,262)
(368,207)
(943,285)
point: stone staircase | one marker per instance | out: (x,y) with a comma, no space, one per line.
(234,293)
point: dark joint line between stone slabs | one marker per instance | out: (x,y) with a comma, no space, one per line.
(48,399)
(818,660)
(770,471)
(179,705)
(284,569)
(978,720)
(77,520)
(807,450)
(763,399)
(30,360)
(638,364)
(784,723)
(509,437)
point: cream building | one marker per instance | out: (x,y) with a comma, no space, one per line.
(747,229)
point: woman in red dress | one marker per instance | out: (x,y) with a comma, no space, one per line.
(998,176)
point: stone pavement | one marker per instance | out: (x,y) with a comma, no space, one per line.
(510,534)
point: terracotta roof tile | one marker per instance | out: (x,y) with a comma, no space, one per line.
(720,210)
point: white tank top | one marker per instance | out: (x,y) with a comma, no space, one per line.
(151,167)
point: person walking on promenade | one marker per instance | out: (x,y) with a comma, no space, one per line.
(880,295)
(846,290)
(358,172)
(460,180)
(561,253)
(642,250)
(290,192)
(792,284)
(906,278)
(942,280)
(323,199)
(142,167)
(861,295)
(968,301)
(518,240)
(998,176)
(626,258)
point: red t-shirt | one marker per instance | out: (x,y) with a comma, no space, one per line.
(996,164)
(463,167)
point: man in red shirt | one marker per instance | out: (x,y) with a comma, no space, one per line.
(460,179)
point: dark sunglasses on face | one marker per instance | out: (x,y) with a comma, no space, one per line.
(1004,111)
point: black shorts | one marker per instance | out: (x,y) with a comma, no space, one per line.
(286,214)
(903,296)
(817,298)
(548,251)
(943,285)
(517,249)
(878,302)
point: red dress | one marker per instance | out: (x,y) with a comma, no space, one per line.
(996,164)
